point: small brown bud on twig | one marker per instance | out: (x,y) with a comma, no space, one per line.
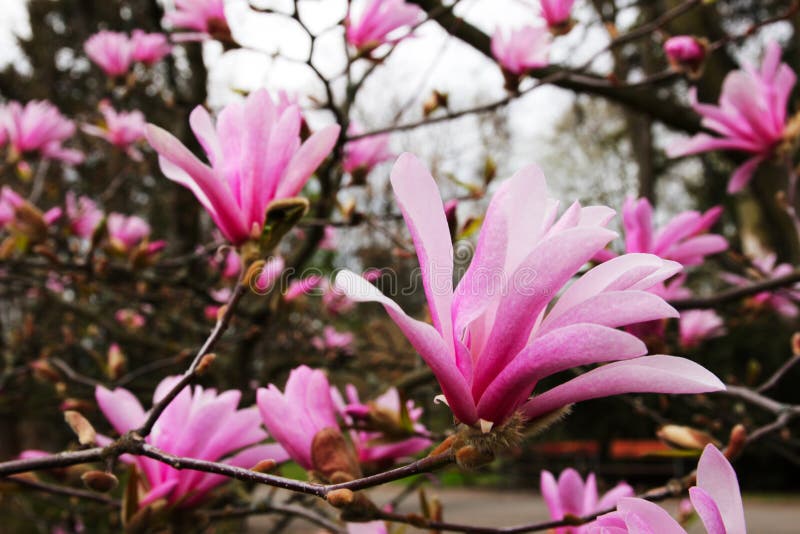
(264,466)
(736,442)
(340,498)
(796,344)
(205,363)
(81,426)
(99,481)
(684,437)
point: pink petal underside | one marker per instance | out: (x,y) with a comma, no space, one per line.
(121,408)
(619,273)
(532,286)
(705,143)
(743,174)
(680,227)
(707,510)
(306,160)
(257,119)
(717,478)
(158,492)
(425,339)
(549,489)
(650,515)
(570,492)
(275,412)
(613,309)
(589,503)
(648,374)
(565,348)
(203,128)
(693,250)
(421,204)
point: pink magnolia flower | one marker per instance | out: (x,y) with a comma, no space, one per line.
(370,527)
(10,202)
(256,156)
(111,51)
(149,48)
(129,232)
(522,49)
(122,129)
(697,326)
(684,239)
(205,17)
(783,301)
(198,423)
(496,334)
(129,318)
(293,418)
(685,50)
(270,274)
(83,215)
(39,127)
(377,20)
(302,286)
(751,116)
(556,12)
(571,496)
(332,339)
(716,498)
(372,446)
(361,155)
(329,238)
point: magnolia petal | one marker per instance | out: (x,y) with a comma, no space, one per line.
(717,478)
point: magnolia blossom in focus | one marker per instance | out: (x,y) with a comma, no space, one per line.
(255,155)
(684,239)
(685,51)
(332,339)
(497,334)
(111,51)
(751,115)
(38,127)
(198,423)
(83,215)
(149,48)
(129,232)
(206,18)
(571,496)
(697,326)
(377,20)
(361,155)
(716,499)
(782,300)
(521,50)
(556,12)
(122,129)
(383,413)
(294,417)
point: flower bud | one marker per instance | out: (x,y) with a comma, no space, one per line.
(330,455)
(81,426)
(205,363)
(686,53)
(684,437)
(99,481)
(340,498)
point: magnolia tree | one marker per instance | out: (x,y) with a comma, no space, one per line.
(172,289)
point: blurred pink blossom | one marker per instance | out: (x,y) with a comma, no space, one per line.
(270,274)
(569,495)
(374,446)
(149,48)
(361,155)
(206,18)
(685,50)
(122,129)
(697,326)
(332,339)
(782,301)
(198,423)
(111,51)
(684,238)
(751,115)
(716,498)
(521,50)
(377,21)
(38,127)
(128,232)
(293,418)
(556,12)
(302,286)
(496,335)
(329,239)
(256,156)
(10,202)
(83,215)
(129,318)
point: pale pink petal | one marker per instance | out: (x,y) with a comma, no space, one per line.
(717,478)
